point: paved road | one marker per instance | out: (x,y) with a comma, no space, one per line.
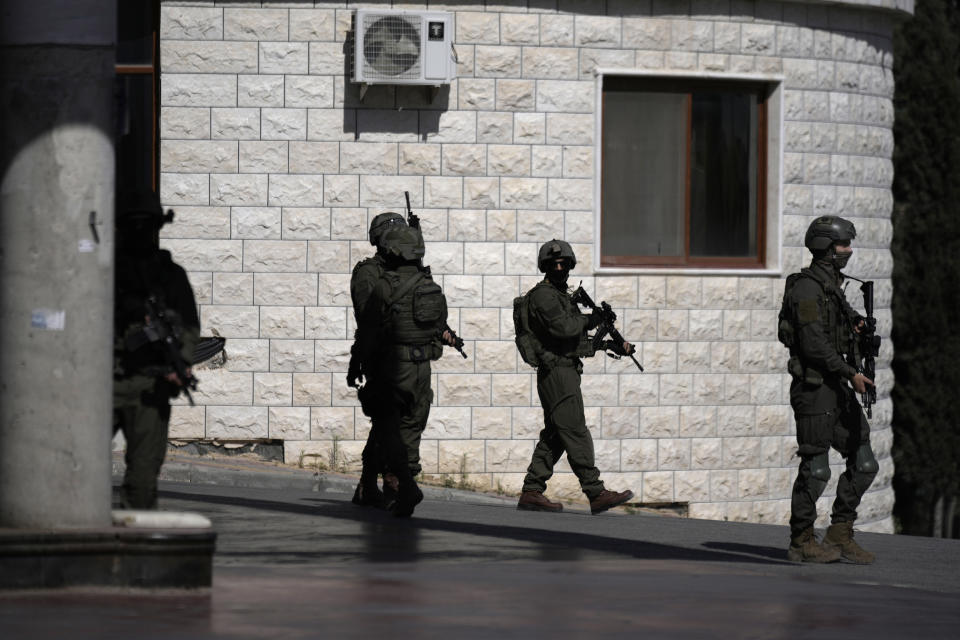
(302,564)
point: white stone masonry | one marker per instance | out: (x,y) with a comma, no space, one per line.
(275,169)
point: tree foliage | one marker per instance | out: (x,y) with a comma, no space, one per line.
(926,251)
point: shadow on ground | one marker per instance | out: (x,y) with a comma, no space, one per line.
(389,539)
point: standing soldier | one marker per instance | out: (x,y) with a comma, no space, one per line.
(556,331)
(155,330)
(396,340)
(366,274)
(820,329)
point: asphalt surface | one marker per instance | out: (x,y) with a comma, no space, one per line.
(293,562)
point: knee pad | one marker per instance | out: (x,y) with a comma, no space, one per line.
(866,463)
(820,467)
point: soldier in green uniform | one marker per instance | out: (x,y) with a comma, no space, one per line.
(397,337)
(148,284)
(820,329)
(559,329)
(366,275)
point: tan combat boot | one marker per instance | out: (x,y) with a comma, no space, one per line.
(839,536)
(805,548)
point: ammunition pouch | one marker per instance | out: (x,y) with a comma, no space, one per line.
(812,377)
(807,375)
(815,433)
(586,348)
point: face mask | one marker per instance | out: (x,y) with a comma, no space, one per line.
(840,260)
(558,277)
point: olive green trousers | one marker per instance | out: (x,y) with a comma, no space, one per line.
(141,410)
(564,431)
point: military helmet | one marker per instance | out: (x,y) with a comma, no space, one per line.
(403,242)
(826,230)
(381,223)
(141,208)
(555,250)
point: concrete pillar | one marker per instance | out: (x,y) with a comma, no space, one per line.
(56,262)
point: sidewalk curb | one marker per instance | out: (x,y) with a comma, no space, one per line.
(254,475)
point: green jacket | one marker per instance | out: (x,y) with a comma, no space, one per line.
(556,320)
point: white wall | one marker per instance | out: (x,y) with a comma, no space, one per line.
(275,168)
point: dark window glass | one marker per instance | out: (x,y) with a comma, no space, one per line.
(136,143)
(681,173)
(644,173)
(723,175)
(135,147)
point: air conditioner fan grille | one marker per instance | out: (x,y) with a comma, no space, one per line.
(391,47)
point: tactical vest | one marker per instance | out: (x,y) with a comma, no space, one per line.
(834,321)
(135,349)
(417,308)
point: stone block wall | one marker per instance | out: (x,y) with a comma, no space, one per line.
(275,168)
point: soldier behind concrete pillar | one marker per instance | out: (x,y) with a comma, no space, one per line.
(155,330)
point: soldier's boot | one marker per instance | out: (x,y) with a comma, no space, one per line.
(367,495)
(391,487)
(409,496)
(609,499)
(805,548)
(536,501)
(839,536)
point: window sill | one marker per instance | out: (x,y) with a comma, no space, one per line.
(687,271)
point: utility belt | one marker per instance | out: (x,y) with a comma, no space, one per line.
(417,352)
(810,375)
(549,360)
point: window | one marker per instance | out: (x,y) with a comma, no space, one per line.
(137,91)
(683,172)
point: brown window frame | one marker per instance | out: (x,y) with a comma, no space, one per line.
(762,91)
(151,69)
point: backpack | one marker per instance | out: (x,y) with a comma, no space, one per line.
(527,342)
(417,308)
(785,319)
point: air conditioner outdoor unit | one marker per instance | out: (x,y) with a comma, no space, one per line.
(403,47)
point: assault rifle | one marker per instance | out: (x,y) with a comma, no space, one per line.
(614,346)
(868,345)
(413,221)
(160,328)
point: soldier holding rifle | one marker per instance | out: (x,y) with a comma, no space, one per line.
(552,336)
(155,330)
(828,341)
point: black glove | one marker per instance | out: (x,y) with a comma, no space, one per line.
(594,320)
(354,374)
